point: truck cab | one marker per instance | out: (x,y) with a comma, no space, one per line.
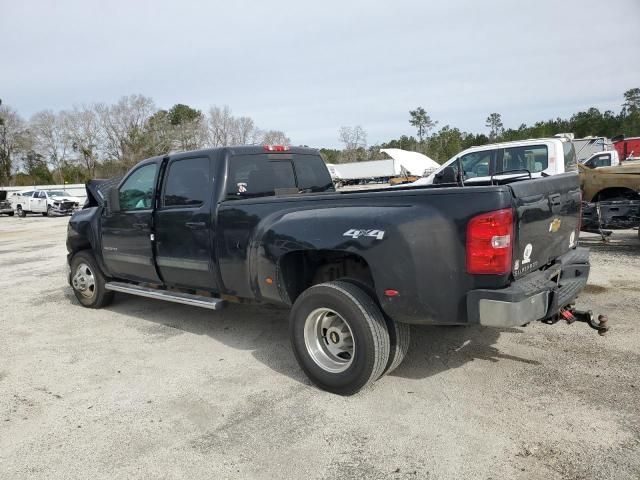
(602,159)
(538,157)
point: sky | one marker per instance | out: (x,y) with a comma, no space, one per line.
(308,68)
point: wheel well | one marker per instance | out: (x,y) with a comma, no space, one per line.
(302,269)
(616,192)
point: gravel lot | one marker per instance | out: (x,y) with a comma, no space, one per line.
(147,389)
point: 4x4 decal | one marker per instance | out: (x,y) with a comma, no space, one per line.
(356,233)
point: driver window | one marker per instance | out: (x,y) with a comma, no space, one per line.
(136,193)
(476,164)
(42,195)
(35,194)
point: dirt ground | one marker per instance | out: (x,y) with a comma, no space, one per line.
(146,389)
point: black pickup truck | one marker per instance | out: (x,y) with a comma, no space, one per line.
(265,224)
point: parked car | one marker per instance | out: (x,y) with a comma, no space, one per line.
(45,202)
(254,224)
(5,204)
(539,157)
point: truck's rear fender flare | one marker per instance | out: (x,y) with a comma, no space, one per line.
(380,244)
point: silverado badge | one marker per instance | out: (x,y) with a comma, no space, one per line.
(554,226)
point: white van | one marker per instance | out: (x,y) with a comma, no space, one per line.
(539,157)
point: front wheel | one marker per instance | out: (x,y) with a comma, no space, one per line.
(21,212)
(88,282)
(339,337)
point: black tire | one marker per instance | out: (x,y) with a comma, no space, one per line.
(10,214)
(399,333)
(400,339)
(49,212)
(85,266)
(366,324)
(21,212)
(45,214)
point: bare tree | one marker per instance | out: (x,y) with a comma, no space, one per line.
(85,132)
(123,127)
(220,126)
(354,140)
(12,138)
(51,140)
(274,137)
(244,131)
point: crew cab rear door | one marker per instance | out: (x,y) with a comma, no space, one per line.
(184,227)
(547,213)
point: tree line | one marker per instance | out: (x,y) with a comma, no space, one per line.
(447,141)
(103,140)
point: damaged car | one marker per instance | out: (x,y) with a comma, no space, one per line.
(49,203)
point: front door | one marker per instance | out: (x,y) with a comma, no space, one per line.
(39,202)
(184,229)
(127,246)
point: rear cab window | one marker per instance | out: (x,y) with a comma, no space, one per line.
(263,175)
(532,158)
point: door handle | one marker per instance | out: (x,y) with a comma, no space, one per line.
(140,226)
(555,199)
(195,225)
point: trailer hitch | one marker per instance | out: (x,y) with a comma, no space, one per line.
(571,315)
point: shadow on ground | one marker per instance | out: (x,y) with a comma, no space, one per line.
(621,242)
(263,330)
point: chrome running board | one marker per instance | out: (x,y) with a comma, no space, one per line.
(169,296)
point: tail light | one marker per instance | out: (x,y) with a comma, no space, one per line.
(489,247)
(276,148)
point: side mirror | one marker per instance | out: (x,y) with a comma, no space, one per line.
(113,200)
(447,175)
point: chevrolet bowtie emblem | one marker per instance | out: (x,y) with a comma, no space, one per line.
(554,226)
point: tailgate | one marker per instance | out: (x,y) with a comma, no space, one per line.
(547,220)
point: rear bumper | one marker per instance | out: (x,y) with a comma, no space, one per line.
(537,296)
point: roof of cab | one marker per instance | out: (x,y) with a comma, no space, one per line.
(235,150)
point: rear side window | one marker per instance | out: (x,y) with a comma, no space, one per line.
(188,183)
(534,158)
(570,161)
(312,174)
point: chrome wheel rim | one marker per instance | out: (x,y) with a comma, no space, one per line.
(329,340)
(84,281)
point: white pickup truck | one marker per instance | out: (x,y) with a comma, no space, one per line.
(536,157)
(46,202)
